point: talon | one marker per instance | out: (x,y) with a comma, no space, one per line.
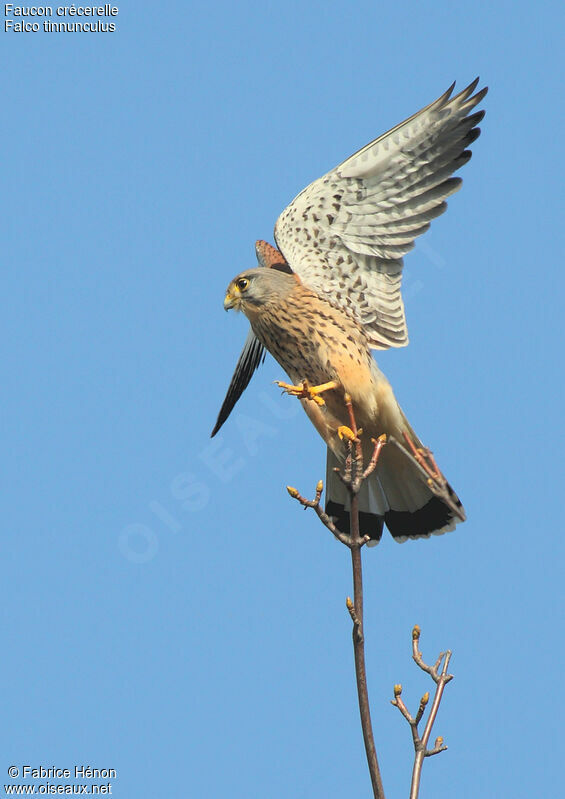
(344,431)
(286,386)
(305,391)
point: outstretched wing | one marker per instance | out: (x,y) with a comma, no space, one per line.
(346,234)
(253,353)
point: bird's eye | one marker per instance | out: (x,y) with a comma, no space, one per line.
(242,283)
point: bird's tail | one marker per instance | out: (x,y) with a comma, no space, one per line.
(396,494)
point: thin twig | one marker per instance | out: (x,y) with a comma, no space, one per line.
(352,476)
(441,678)
(424,460)
(359,653)
(356,455)
(378,444)
(322,515)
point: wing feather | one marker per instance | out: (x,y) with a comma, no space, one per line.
(252,356)
(346,234)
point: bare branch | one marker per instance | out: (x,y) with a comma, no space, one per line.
(378,445)
(438,747)
(441,678)
(423,702)
(352,476)
(322,515)
(359,650)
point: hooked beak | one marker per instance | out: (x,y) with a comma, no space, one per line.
(229,301)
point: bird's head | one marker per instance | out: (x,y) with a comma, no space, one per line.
(253,288)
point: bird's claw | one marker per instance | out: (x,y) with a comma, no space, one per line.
(305,391)
(345,432)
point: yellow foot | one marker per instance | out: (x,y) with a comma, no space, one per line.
(344,431)
(308,392)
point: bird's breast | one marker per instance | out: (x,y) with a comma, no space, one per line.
(315,341)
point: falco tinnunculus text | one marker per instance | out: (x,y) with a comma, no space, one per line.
(331,293)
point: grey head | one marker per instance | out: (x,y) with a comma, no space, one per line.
(254,288)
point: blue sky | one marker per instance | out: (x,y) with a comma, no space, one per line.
(167,610)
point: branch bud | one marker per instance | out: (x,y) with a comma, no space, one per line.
(439,742)
(319,486)
(349,604)
(292,491)
(415,632)
(425,699)
(397,689)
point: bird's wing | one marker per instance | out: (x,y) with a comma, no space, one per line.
(253,353)
(346,234)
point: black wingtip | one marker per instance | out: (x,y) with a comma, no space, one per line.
(252,355)
(222,416)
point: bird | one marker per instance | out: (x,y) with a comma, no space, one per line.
(329,294)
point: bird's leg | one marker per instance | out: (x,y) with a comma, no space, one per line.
(305,391)
(352,434)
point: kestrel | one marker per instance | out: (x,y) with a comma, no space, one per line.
(331,293)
